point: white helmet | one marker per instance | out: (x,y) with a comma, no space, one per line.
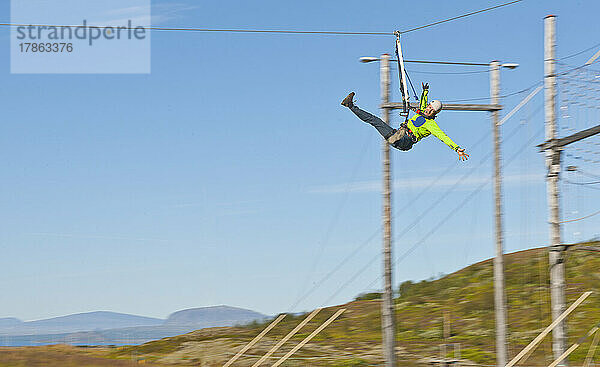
(437,106)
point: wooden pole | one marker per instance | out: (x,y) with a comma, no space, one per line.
(556,253)
(387,306)
(446,335)
(308,338)
(287,337)
(592,350)
(499,295)
(255,340)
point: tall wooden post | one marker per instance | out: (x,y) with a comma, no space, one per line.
(499,293)
(387,311)
(556,253)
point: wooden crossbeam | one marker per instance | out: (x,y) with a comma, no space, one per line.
(569,139)
(450,106)
(588,248)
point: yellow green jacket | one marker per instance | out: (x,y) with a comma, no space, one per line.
(422,127)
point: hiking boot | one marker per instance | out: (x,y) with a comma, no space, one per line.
(347,102)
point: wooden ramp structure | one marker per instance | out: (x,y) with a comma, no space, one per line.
(285,339)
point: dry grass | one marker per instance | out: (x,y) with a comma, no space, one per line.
(62,356)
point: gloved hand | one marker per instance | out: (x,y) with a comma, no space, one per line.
(425,86)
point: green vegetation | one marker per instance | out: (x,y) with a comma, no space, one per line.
(478,356)
(368,296)
(354,362)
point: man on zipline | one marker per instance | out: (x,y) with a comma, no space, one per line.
(416,128)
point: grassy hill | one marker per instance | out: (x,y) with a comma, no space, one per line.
(466,297)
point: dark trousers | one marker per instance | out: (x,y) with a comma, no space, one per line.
(404,143)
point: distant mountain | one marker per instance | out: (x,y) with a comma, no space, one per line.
(124,336)
(100,320)
(9,322)
(213,316)
(117,328)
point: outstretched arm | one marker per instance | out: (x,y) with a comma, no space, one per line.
(435,130)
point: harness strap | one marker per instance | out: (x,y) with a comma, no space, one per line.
(409,132)
(399,134)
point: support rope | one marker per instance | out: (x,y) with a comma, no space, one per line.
(275,31)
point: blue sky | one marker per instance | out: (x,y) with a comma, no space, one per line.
(231,174)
